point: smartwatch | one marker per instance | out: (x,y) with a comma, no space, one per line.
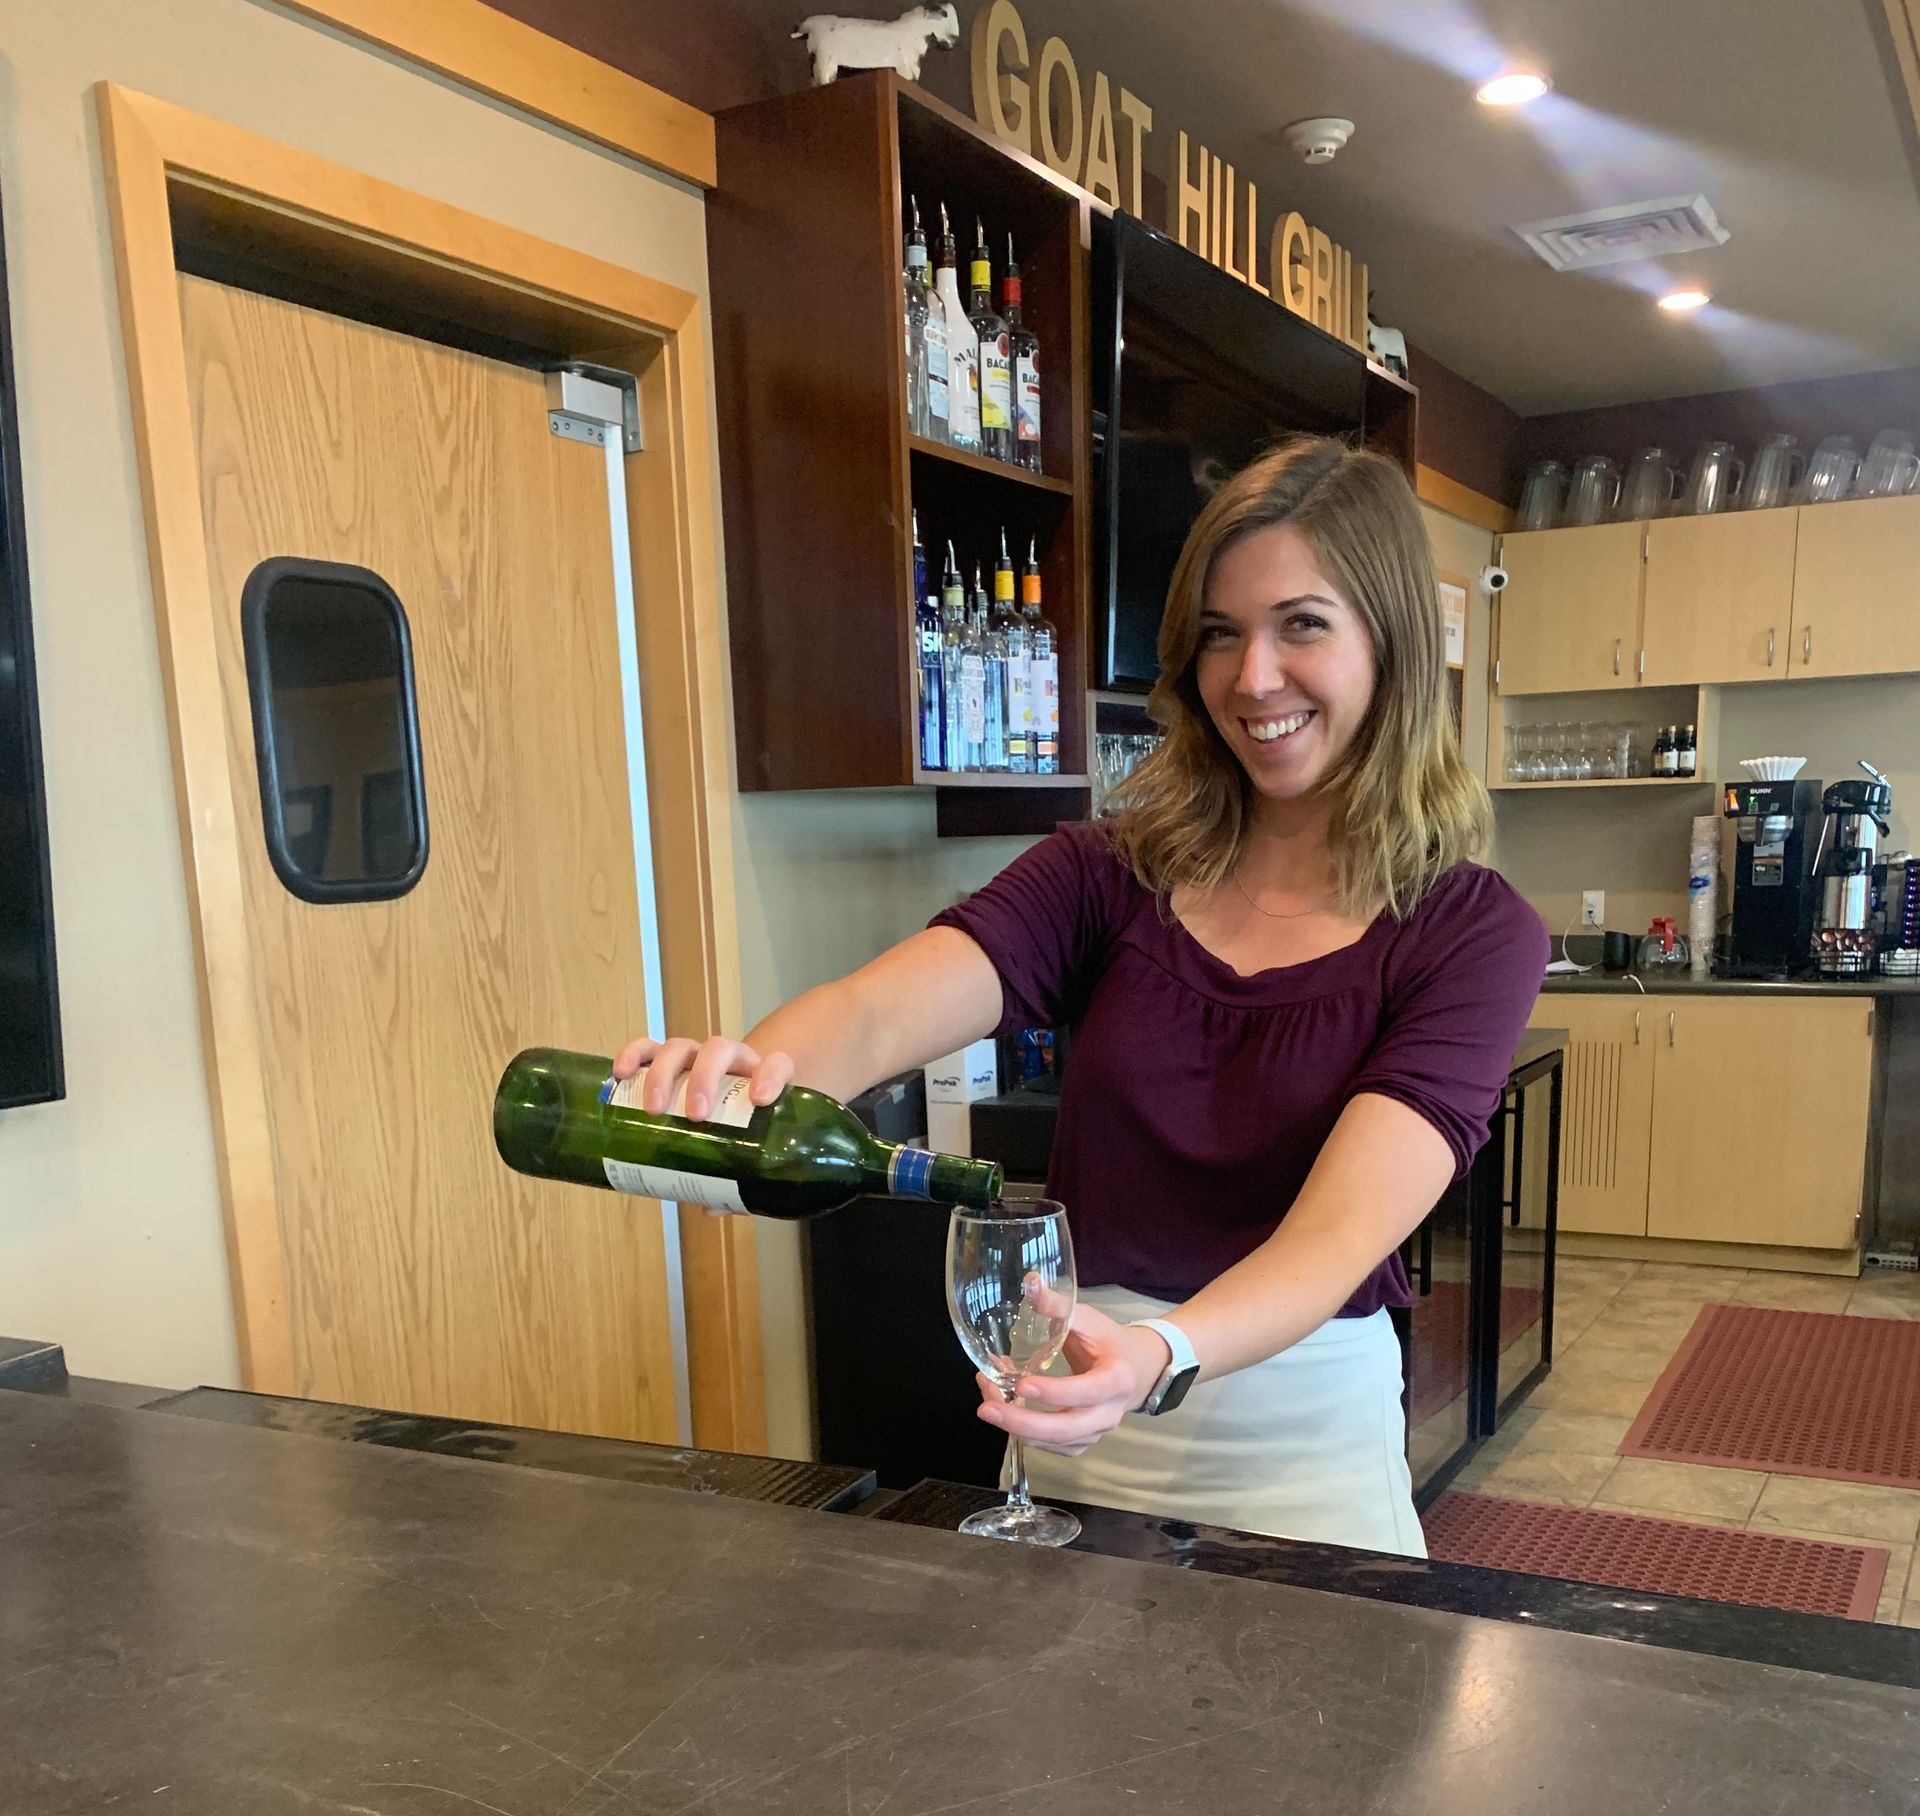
(1181,1371)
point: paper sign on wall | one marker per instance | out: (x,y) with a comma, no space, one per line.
(1453,616)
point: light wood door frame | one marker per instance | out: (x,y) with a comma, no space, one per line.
(167,166)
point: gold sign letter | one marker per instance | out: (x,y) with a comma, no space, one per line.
(1252,272)
(999,83)
(1139,124)
(1103,168)
(1190,201)
(1320,309)
(1288,274)
(1055,57)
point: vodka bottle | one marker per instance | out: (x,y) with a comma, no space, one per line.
(965,674)
(1044,667)
(926,641)
(1012,629)
(560,1115)
(921,416)
(993,657)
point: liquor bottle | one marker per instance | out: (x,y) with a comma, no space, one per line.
(963,349)
(1024,346)
(996,359)
(965,674)
(1044,667)
(560,1115)
(926,642)
(1012,630)
(993,655)
(926,342)
(1689,753)
(1663,751)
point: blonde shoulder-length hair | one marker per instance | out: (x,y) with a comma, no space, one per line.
(1405,809)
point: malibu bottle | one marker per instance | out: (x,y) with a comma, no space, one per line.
(564,1116)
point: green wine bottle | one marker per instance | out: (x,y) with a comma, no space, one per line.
(564,1116)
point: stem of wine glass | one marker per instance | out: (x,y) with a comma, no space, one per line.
(1017,1495)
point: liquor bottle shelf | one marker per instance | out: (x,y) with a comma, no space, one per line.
(993,778)
(981,463)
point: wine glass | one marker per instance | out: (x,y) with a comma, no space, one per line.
(1010,1292)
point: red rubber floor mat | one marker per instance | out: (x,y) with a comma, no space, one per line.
(1793,1393)
(1666,1557)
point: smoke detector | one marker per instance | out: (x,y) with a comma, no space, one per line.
(1318,140)
(1634,230)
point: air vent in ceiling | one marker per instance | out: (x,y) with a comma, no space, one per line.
(1636,230)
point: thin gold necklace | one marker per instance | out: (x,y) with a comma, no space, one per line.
(1273,914)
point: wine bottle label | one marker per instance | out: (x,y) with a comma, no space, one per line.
(910,1173)
(1026,396)
(671,1184)
(973,699)
(996,384)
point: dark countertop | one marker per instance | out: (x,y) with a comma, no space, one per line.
(829,1487)
(1655,983)
(1535,1045)
(210,1619)
(1768,1636)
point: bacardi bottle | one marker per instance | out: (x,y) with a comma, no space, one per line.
(996,359)
(1024,346)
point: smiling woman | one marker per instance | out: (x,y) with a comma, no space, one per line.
(1293,999)
(1303,667)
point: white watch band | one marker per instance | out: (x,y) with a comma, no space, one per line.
(1182,1358)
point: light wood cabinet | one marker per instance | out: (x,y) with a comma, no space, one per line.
(1606,1114)
(1856,589)
(1719,597)
(1570,615)
(1714,1119)
(1759,1119)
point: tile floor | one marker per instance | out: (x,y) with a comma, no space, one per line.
(1617,1325)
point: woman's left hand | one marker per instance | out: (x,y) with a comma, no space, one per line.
(1114,1369)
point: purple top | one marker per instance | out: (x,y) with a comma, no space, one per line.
(1197,1100)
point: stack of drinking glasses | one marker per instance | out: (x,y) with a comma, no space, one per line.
(1572,750)
(1116,755)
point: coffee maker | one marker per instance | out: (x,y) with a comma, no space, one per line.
(1850,876)
(1773,884)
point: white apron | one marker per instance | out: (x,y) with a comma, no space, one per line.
(1310,1444)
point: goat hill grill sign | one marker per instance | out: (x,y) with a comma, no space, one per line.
(1096,137)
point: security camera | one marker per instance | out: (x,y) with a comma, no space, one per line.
(1493,580)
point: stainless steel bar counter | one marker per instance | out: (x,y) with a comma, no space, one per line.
(208,1618)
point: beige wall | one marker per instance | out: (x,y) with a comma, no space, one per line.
(110,1225)
(824,882)
(1633,842)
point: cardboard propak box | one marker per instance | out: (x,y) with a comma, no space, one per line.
(954,1082)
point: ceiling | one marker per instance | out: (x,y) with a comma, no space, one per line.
(1778,111)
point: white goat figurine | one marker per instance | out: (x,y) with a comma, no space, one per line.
(900,44)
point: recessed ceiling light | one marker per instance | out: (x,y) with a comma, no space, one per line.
(1512,88)
(1680,301)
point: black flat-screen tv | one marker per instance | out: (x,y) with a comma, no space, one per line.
(1194,373)
(30,1061)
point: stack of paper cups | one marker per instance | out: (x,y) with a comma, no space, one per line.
(1703,877)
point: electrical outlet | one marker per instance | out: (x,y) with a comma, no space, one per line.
(1593,908)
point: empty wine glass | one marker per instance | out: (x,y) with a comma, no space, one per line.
(1010,1292)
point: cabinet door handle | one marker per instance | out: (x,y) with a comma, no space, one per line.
(1769,646)
(1636,1027)
(1616,655)
(1806,647)
(1673,1015)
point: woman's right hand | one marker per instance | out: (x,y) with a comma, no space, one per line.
(705,1064)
